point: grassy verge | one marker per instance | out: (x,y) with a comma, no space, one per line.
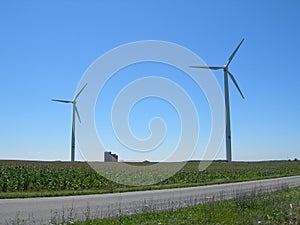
(21,179)
(280,207)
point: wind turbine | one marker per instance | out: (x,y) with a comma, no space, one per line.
(74,110)
(226,90)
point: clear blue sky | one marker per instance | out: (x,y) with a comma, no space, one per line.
(46,46)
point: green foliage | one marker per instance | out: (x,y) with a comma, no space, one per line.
(280,207)
(45,178)
(66,178)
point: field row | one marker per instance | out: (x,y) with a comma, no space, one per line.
(22,176)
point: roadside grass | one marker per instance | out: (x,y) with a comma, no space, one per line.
(280,207)
(22,179)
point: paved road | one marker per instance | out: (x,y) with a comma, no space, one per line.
(59,209)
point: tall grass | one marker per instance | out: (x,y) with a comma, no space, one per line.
(280,207)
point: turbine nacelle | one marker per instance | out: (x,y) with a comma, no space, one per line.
(73,102)
(225,68)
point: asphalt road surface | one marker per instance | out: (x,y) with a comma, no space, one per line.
(55,210)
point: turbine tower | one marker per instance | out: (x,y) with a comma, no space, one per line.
(74,111)
(226,91)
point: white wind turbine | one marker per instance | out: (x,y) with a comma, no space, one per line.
(226,90)
(74,110)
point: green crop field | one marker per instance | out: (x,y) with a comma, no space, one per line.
(35,178)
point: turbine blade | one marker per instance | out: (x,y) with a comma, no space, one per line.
(236,84)
(233,54)
(208,67)
(64,101)
(80,92)
(77,113)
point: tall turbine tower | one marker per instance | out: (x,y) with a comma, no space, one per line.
(74,110)
(226,91)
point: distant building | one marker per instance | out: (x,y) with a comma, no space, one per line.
(108,157)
